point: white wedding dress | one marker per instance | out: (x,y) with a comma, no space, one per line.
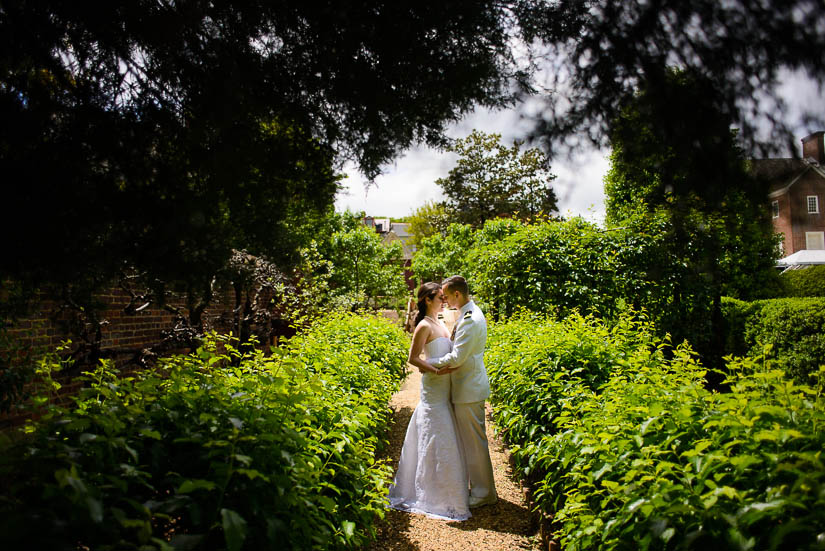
(432,476)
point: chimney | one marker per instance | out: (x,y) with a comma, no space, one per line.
(812,147)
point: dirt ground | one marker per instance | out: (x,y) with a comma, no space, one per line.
(503,526)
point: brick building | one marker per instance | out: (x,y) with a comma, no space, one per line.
(797,192)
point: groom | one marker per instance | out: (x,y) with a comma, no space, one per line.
(470,388)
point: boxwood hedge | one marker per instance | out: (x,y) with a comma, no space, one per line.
(806,282)
(789,330)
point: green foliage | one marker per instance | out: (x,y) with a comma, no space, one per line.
(539,367)
(807,282)
(604,51)
(628,450)
(359,266)
(427,220)
(491,180)
(363,266)
(216,449)
(441,256)
(678,176)
(791,330)
(176,133)
(676,160)
(552,266)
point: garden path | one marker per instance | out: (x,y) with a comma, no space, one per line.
(501,527)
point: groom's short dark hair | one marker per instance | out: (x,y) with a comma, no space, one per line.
(457,283)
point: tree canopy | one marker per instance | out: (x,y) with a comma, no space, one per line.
(684,186)
(492,180)
(161,135)
(136,131)
(598,53)
(431,218)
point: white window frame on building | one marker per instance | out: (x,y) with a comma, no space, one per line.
(813,204)
(775,209)
(815,240)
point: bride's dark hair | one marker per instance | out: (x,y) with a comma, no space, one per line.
(427,290)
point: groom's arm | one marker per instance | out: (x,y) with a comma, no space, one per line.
(462,348)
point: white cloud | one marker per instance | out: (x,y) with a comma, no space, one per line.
(410,181)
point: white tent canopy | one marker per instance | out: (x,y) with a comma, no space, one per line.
(803,257)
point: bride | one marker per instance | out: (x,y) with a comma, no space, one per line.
(431,477)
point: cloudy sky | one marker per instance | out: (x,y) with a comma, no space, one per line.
(410,181)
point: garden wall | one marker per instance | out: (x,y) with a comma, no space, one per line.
(46,327)
(123,335)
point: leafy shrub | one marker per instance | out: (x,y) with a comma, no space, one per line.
(807,282)
(537,366)
(653,460)
(561,266)
(548,267)
(441,256)
(791,330)
(275,451)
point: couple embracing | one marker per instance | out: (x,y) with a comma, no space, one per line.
(445,466)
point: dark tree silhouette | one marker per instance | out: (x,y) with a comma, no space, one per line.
(600,52)
(164,135)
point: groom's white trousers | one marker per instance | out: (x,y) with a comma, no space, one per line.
(473,436)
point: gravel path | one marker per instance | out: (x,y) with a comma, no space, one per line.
(500,527)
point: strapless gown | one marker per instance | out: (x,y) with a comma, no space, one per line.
(432,476)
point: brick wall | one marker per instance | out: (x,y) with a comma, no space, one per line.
(46,327)
(800,220)
(123,335)
(782,224)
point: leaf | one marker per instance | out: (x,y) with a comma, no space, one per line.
(150,433)
(87,437)
(348,527)
(768,435)
(252,474)
(702,446)
(234,529)
(196,484)
(607,467)
(244,460)
(95,509)
(186,542)
(742,462)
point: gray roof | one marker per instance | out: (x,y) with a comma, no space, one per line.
(400,229)
(779,172)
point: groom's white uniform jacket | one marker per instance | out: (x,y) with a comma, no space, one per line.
(469,381)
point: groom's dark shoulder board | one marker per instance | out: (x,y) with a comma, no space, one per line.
(468,314)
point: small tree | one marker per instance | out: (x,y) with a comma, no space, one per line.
(491,180)
(358,265)
(443,255)
(430,219)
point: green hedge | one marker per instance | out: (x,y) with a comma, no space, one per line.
(272,452)
(806,282)
(536,366)
(650,459)
(791,330)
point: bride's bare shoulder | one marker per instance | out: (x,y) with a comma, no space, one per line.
(422,330)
